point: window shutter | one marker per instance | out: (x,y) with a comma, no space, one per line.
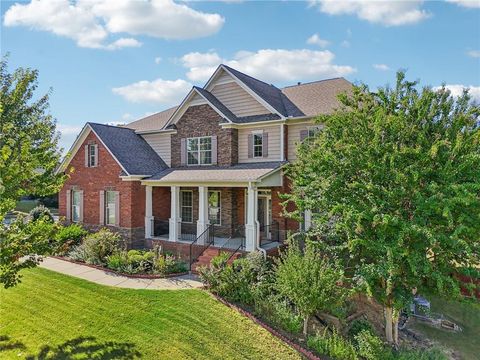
(81,207)
(117,208)
(102,207)
(250,146)
(96,154)
(86,155)
(303,134)
(183,152)
(68,204)
(265,144)
(214,149)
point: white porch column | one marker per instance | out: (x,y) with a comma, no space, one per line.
(282,142)
(308,219)
(148,212)
(174,222)
(251,223)
(202,221)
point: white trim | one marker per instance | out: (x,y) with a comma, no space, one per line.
(257,133)
(133,177)
(156,131)
(282,142)
(182,206)
(199,151)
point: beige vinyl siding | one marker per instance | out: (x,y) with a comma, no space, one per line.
(294,139)
(273,144)
(223,78)
(237,100)
(161,143)
(197,100)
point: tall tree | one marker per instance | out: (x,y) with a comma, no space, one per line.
(395,179)
(29,153)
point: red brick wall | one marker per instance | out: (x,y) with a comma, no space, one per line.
(161,202)
(104,176)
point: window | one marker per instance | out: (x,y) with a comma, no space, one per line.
(214,212)
(258,145)
(76,199)
(110,207)
(199,151)
(313,130)
(187,206)
(91,156)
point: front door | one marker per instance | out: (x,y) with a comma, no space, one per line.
(264,216)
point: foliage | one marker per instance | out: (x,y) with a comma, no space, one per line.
(358,326)
(21,242)
(70,235)
(41,212)
(96,247)
(369,346)
(396,173)
(29,152)
(309,280)
(278,311)
(333,345)
(144,262)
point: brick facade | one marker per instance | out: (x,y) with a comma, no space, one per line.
(202,120)
(105,176)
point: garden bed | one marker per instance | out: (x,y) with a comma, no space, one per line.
(133,276)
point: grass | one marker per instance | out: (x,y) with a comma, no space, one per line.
(53,316)
(464,313)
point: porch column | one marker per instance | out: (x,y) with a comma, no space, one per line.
(308,219)
(174,222)
(202,221)
(251,223)
(148,212)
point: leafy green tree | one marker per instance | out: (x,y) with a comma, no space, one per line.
(28,159)
(309,280)
(395,176)
(28,139)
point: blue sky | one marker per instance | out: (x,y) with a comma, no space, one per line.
(116,61)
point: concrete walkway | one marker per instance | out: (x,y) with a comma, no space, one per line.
(107,278)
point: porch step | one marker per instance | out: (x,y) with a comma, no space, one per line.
(207,256)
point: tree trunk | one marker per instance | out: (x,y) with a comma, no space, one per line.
(389,323)
(305,325)
(395,327)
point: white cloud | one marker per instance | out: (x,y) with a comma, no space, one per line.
(389,13)
(158,60)
(466,3)
(65,129)
(474,53)
(157,91)
(269,64)
(456,90)
(315,39)
(381,67)
(91,23)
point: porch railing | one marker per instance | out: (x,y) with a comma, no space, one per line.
(201,243)
(269,233)
(236,242)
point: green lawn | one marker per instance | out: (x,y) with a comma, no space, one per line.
(53,316)
(464,313)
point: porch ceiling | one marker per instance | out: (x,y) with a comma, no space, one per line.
(236,174)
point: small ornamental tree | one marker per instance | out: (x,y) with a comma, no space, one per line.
(309,280)
(395,176)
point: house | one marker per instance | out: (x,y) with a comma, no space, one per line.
(208,171)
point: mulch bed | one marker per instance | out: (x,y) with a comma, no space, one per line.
(282,336)
(133,276)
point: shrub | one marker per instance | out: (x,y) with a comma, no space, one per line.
(144,262)
(41,212)
(279,312)
(69,236)
(96,247)
(333,345)
(359,325)
(370,346)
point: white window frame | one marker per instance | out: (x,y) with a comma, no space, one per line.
(75,206)
(218,208)
(110,208)
(182,206)
(260,146)
(91,155)
(199,151)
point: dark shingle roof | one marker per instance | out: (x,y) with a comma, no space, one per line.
(130,149)
(269,93)
(217,103)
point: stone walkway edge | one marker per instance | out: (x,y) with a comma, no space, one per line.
(103,277)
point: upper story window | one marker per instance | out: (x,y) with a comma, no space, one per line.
(214,212)
(199,150)
(257,145)
(110,210)
(76,205)
(91,155)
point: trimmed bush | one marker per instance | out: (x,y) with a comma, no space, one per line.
(41,212)
(144,262)
(69,236)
